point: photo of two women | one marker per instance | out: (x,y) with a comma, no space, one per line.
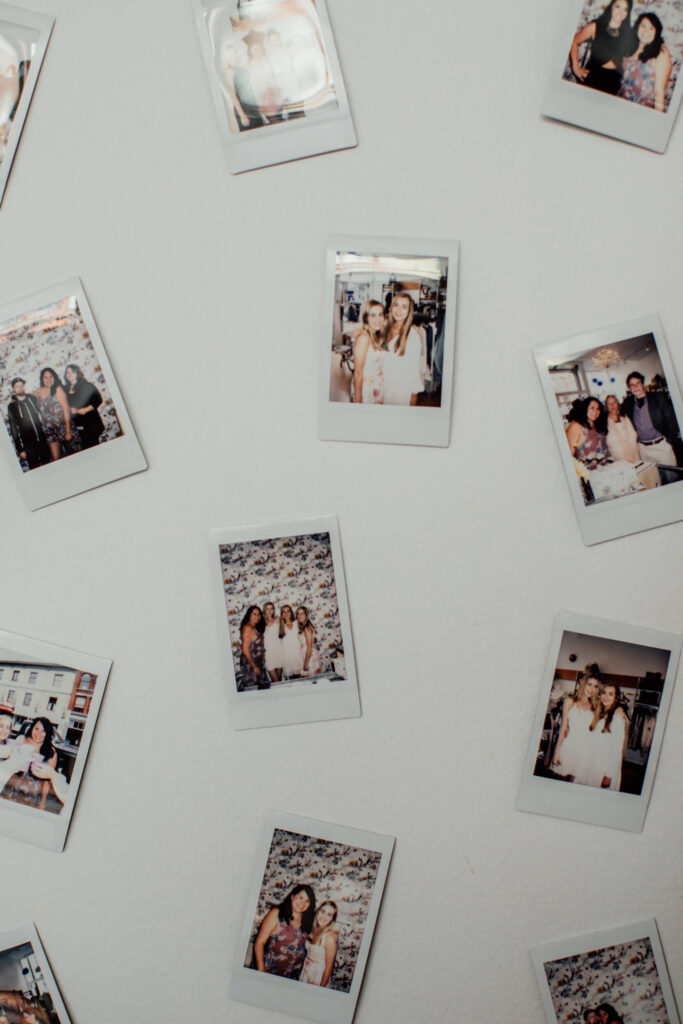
(629,50)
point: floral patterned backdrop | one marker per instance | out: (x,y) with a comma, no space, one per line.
(52,336)
(625,976)
(287,570)
(334,871)
(669,12)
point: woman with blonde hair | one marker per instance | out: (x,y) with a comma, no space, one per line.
(573,757)
(273,644)
(310,658)
(610,730)
(292,661)
(368,375)
(402,351)
(321,946)
(622,440)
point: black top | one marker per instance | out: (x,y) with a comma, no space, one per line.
(606,47)
(89,424)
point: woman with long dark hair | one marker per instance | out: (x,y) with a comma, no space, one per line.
(55,414)
(572,756)
(587,433)
(611,38)
(280,945)
(646,72)
(309,654)
(321,946)
(368,375)
(33,747)
(252,650)
(610,730)
(402,349)
(84,401)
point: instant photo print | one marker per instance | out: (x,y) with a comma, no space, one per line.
(65,428)
(313,902)
(388,339)
(275,80)
(616,411)
(599,722)
(50,698)
(28,990)
(615,976)
(24,36)
(280,593)
(617,70)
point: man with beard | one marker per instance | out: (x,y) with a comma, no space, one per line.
(26,427)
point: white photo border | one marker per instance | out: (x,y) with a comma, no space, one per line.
(42,23)
(264,708)
(280,143)
(603,113)
(558,950)
(301,1000)
(631,513)
(82,471)
(29,933)
(384,424)
(30,824)
(558,799)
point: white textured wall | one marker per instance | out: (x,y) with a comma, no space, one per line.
(208,294)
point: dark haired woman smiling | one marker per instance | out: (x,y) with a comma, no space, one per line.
(280,946)
(253,650)
(611,38)
(646,72)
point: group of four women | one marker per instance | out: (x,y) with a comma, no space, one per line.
(273,647)
(298,941)
(387,354)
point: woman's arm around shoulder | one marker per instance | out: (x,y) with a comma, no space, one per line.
(582,36)
(564,728)
(330,954)
(662,73)
(574,434)
(268,927)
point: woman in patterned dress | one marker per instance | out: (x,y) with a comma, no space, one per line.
(368,376)
(321,946)
(253,652)
(645,74)
(587,433)
(280,946)
(55,413)
(33,747)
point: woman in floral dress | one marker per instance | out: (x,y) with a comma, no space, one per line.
(253,651)
(587,433)
(55,414)
(280,946)
(645,74)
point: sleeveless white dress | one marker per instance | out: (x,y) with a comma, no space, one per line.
(577,751)
(608,750)
(314,965)
(402,376)
(314,663)
(292,662)
(273,644)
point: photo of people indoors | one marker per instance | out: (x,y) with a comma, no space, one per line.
(53,395)
(613,985)
(283,612)
(24,994)
(602,713)
(311,931)
(619,420)
(388,330)
(43,710)
(17,45)
(630,50)
(271,61)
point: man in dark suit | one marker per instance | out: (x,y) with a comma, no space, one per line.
(654,419)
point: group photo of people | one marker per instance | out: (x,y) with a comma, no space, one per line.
(632,50)
(16,47)
(283,611)
(24,992)
(387,345)
(53,395)
(271,61)
(601,715)
(617,984)
(312,909)
(619,419)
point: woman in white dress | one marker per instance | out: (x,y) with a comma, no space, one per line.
(321,946)
(292,661)
(609,731)
(402,353)
(622,440)
(573,757)
(368,375)
(272,641)
(309,653)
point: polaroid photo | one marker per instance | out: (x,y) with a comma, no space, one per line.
(613,976)
(66,427)
(50,698)
(616,411)
(281,598)
(28,990)
(617,70)
(388,340)
(599,722)
(24,36)
(313,903)
(275,80)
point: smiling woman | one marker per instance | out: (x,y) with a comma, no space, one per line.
(610,37)
(280,946)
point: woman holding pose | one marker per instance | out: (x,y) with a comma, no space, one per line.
(368,376)
(402,350)
(84,401)
(646,72)
(610,729)
(611,38)
(309,654)
(586,433)
(573,757)
(33,747)
(280,946)
(55,413)
(252,652)
(622,440)
(292,661)
(321,946)
(272,641)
